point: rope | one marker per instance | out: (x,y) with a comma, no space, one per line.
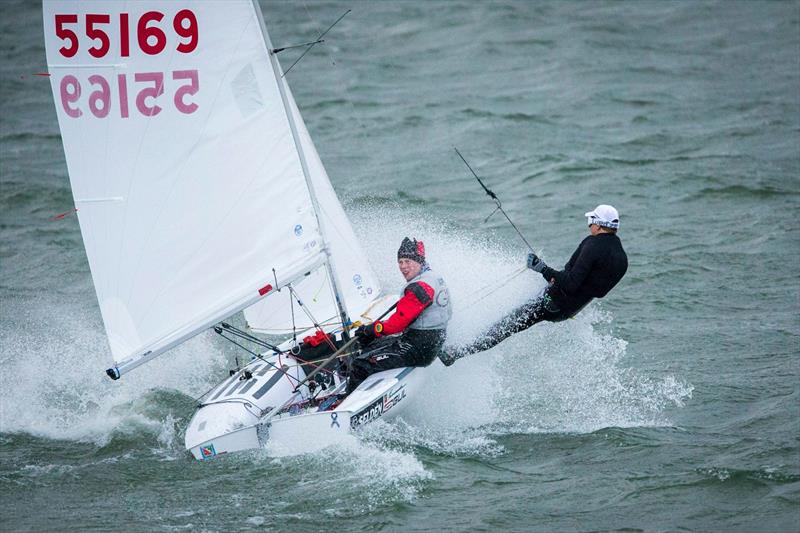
(314,361)
(483,293)
(254,354)
(313,320)
(294,326)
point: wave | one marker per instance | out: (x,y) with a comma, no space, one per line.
(653,139)
(529,41)
(511,117)
(25,137)
(53,383)
(745,191)
(734,476)
(636,102)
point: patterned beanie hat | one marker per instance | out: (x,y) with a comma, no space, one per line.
(411,249)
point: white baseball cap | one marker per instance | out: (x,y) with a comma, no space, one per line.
(605,216)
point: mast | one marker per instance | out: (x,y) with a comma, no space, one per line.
(306,174)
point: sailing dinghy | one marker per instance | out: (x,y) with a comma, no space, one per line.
(200,194)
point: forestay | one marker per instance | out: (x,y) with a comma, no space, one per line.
(190,190)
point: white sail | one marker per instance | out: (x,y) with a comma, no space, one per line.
(358,285)
(190,191)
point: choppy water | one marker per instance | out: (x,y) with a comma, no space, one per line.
(671,405)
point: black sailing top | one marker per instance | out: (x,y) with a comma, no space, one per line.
(594,268)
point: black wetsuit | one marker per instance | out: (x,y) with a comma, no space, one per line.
(415,347)
(594,268)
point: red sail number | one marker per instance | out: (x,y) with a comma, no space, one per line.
(98,34)
(150,35)
(149,87)
(65,34)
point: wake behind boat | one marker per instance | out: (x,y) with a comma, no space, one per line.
(200,194)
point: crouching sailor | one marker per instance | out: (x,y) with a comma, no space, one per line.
(421,318)
(593,270)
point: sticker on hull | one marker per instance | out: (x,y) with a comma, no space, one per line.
(377,408)
(207,452)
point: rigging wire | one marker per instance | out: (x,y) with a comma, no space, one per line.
(312,44)
(295,346)
(313,362)
(278,368)
(497,287)
(246,336)
(494,197)
(254,354)
(311,317)
(281,49)
(294,326)
(499,207)
(494,284)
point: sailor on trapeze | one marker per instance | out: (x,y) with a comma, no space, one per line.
(593,270)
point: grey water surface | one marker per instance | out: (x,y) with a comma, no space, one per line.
(672,404)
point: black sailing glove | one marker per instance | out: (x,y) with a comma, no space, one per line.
(536,264)
(365,334)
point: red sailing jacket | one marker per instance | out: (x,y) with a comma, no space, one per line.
(416,298)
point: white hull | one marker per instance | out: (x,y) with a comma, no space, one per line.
(232,419)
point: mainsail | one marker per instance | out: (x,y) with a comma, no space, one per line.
(195,188)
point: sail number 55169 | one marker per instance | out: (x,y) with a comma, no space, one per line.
(152,40)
